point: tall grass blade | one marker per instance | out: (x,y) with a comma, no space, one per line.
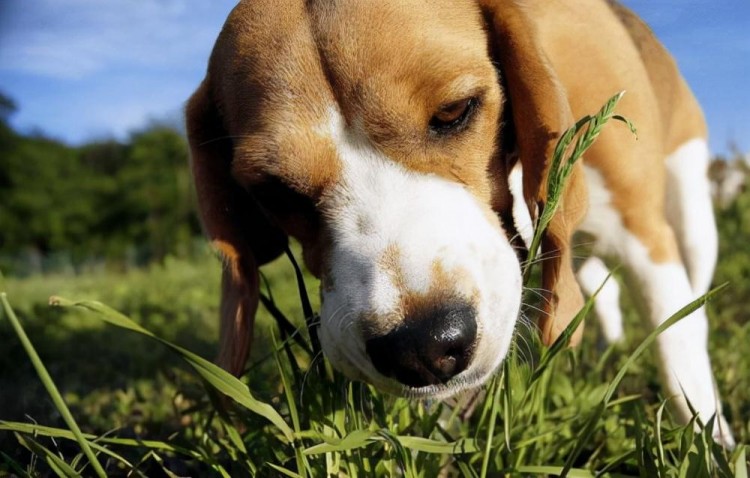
(284,471)
(496,387)
(585,435)
(659,443)
(17,469)
(219,378)
(31,429)
(40,430)
(307,310)
(50,386)
(355,439)
(564,339)
(302,464)
(554,471)
(58,465)
(676,317)
(740,464)
(561,168)
(506,398)
(427,445)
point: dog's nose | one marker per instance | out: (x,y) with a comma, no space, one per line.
(428,348)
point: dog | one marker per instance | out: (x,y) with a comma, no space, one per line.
(406,145)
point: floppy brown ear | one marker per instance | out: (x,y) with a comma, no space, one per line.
(540,114)
(234,223)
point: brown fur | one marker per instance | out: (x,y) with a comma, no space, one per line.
(540,115)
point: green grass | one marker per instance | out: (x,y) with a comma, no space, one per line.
(532,416)
(140,387)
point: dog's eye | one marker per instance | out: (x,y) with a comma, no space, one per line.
(453,116)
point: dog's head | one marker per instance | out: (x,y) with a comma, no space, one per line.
(382,135)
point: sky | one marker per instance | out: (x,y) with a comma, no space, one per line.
(82,70)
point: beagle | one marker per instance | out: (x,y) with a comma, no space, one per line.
(406,144)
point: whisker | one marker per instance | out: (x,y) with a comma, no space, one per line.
(534,308)
(541,295)
(539,292)
(316,357)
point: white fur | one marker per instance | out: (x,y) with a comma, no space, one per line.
(663,289)
(521,216)
(690,211)
(601,219)
(379,205)
(591,276)
(598,222)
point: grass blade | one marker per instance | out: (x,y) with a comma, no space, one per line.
(554,471)
(286,381)
(284,471)
(496,387)
(740,464)
(356,439)
(615,383)
(58,465)
(219,378)
(50,386)
(561,169)
(30,429)
(426,445)
(40,430)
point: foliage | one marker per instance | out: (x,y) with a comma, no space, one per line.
(94,202)
(540,406)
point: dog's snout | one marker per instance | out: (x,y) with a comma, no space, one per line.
(428,348)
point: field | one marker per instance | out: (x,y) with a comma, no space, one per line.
(124,384)
(149,406)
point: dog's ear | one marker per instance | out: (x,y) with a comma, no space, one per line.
(235,224)
(538,113)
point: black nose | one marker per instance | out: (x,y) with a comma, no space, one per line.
(427,348)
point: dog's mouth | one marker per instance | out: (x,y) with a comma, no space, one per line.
(439,391)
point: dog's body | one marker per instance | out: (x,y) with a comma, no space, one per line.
(403,143)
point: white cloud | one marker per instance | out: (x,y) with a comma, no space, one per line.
(89,68)
(71,39)
(83,68)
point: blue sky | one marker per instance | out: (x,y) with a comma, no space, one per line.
(89,69)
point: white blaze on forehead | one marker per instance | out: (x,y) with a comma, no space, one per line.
(379,206)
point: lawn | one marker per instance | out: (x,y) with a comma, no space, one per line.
(124,384)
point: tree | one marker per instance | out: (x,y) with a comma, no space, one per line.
(102,200)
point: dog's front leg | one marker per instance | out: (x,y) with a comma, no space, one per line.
(664,288)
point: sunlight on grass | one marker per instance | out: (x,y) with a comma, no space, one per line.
(548,411)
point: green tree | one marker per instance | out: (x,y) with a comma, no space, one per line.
(125,202)
(47,198)
(155,202)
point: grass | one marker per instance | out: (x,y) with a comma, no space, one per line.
(147,401)
(529,422)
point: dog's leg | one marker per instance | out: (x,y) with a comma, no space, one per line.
(664,288)
(591,276)
(640,237)
(690,211)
